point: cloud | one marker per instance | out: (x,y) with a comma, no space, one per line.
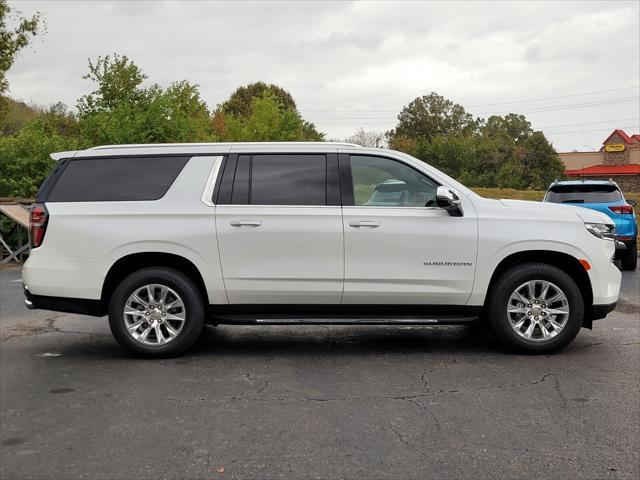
(351,65)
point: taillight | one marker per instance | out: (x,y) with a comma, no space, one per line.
(619,209)
(38,219)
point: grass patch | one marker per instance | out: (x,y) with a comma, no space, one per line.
(510,193)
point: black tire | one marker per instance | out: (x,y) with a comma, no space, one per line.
(629,257)
(505,286)
(191,297)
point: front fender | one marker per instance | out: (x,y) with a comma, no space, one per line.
(489,262)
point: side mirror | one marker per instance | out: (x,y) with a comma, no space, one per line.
(633,203)
(449,200)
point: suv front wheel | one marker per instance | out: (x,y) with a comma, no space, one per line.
(535,308)
(156,312)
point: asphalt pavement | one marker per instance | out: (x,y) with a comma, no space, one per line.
(316,402)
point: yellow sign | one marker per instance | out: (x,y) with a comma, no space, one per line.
(614,147)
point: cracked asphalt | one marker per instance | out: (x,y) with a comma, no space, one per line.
(316,402)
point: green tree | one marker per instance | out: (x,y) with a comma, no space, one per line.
(512,126)
(239,114)
(239,103)
(430,116)
(18,115)
(449,154)
(540,162)
(118,82)
(24,157)
(268,121)
(12,40)
(501,151)
(121,110)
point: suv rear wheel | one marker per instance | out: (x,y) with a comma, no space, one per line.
(535,308)
(156,312)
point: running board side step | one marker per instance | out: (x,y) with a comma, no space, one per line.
(342,320)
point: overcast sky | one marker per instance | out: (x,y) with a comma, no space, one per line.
(572,68)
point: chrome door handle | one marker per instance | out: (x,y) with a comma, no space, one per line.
(364,223)
(246,223)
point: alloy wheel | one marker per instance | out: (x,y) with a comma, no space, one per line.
(154,315)
(538,310)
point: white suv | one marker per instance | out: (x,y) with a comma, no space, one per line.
(164,238)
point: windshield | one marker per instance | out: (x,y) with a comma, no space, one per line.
(583,194)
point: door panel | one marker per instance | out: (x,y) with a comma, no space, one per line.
(409,255)
(281,254)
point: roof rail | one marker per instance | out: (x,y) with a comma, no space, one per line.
(217,144)
(60,155)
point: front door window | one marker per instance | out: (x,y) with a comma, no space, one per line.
(382,182)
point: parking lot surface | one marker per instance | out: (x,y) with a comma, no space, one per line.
(316,402)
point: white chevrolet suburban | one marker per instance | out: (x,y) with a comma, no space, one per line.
(165,238)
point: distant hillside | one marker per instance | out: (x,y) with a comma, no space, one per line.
(18,115)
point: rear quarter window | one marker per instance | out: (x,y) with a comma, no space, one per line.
(116,179)
(584,194)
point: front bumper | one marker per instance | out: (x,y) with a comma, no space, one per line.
(601,311)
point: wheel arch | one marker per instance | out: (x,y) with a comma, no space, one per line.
(128,264)
(565,262)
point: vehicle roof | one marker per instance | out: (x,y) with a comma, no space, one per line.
(198,148)
(583,182)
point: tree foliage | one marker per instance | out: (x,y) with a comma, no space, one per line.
(268,120)
(24,157)
(431,116)
(12,40)
(121,110)
(17,116)
(259,112)
(118,82)
(239,104)
(502,151)
(512,126)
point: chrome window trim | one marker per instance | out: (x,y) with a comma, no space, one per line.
(369,207)
(244,205)
(207,193)
(365,207)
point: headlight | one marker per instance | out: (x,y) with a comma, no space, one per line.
(602,230)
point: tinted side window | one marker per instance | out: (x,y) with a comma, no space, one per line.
(288,180)
(50,181)
(116,179)
(382,182)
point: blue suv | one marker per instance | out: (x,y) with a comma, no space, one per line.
(604,196)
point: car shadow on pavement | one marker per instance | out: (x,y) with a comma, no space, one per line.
(344,340)
(294,341)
